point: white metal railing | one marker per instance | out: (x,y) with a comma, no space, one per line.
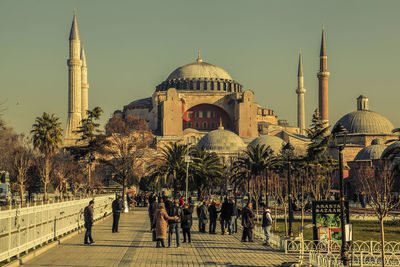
(361,259)
(26,228)
(275,240)
(371,247)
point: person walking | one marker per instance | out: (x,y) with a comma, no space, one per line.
(234,216)
(226,213)
(117,207)
(176,212)
(248,222)
(212,211)
(186,222)
(160,223)
(266,224)
(203,216)
(88,217)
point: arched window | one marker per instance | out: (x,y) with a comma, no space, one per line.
(189,124)
(197,125)
(205,126)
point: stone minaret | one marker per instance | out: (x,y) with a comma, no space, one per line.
(323,76)
(84,85)
(74,85)
(300,91)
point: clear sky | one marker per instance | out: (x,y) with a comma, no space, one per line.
(131,46)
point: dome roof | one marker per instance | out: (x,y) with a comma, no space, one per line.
(393,147)
(199,69)
(275,143)
(366,122)
(374,151)
(221,140)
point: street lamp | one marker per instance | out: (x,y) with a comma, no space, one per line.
(91,159)
(187,160)
(288,149)
(339,134)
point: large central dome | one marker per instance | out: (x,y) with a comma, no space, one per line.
(199,70)
(200,76)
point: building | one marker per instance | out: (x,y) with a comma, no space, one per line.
(78,85)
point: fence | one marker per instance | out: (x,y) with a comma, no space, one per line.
(361,259)
(29,227)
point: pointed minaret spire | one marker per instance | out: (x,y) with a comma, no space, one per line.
(199,60)
(323,76)
(300,91)
(323,44)
(300,70)
(74,34)
(83,57)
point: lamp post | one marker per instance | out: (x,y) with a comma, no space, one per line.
(288,148)
(187,160)
(91,158)
(340,132)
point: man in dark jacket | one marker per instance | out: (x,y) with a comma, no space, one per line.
(186,222)
(88,216)
(226,213)
(117,207)
(248,222)
(234,216)
(203,216)
(212,210)
(174,211)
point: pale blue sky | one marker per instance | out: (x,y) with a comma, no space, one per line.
(131,46)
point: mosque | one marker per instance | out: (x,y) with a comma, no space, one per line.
(201,104)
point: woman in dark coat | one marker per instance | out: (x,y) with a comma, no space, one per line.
(186,222)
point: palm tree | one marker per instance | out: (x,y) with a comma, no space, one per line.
(47,138)
(207,170)
(174,163)
(253,163)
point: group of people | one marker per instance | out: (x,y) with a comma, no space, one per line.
(167,216)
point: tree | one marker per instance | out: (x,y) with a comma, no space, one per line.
(125,124)
(319,137)
(92,140)
(174,167)
(128,155)
(379,189)
(206,169)
(47,138)
(22,162)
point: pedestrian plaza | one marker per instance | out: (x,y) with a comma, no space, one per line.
(133,246)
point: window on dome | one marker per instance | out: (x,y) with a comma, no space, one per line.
(206,114)
(200,113)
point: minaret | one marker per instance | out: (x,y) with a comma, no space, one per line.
(300,91)
(84,85)
(323,76)
(74,85)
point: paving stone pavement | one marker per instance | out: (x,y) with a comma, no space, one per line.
(132,246)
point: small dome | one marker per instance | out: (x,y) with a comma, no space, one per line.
(374,151)
(199,69)
(275,143)
(394,147)
(366,122)
(221,140)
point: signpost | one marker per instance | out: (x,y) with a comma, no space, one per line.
(327,222)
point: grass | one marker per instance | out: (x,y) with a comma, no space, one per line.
(362,230)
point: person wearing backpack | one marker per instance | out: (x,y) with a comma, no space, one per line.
(266,224)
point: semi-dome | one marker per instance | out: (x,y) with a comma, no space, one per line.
(374,151)
(365,121)
(275,143)
(200,76)
(393,149)
(222,141)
